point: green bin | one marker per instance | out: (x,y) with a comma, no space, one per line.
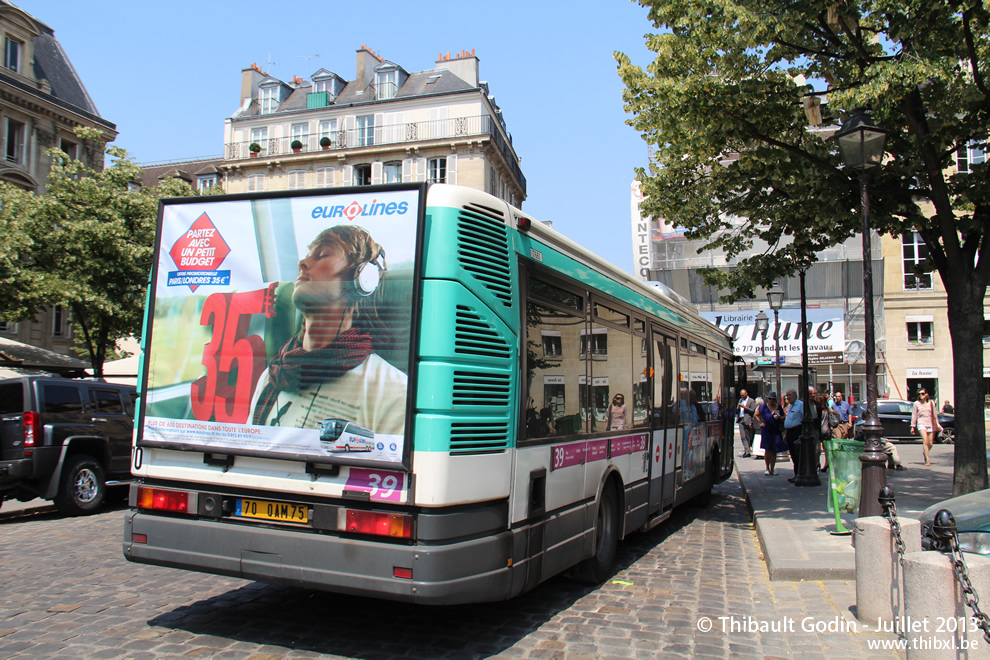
(845,472)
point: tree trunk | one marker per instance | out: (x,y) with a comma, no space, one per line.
(965,307)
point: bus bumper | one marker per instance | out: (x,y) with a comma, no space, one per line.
(468,571)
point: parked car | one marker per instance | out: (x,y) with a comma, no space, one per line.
(64,440)
(895,417)
(972,516)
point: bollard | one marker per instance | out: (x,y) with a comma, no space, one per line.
(879,576)
(935,608)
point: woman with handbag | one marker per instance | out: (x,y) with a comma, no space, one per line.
(925,419)
(769,418)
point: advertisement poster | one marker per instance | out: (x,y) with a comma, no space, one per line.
(281,326)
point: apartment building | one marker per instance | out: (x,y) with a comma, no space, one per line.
(386,125)
(919,349)
(42,101)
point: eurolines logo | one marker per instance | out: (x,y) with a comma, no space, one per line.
(356,210)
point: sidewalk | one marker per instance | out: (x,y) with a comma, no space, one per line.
(793,524)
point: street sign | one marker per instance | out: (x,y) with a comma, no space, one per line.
(766,361)
(830,357)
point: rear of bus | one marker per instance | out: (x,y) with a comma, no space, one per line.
(243,471)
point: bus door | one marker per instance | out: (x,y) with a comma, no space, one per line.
(663,446)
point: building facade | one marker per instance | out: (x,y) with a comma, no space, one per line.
(42,102)
(834,292)
(919,346)
(386,125)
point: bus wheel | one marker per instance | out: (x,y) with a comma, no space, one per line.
(597,568)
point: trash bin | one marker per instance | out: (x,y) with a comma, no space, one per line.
(845,472)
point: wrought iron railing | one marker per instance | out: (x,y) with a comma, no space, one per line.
(390,134)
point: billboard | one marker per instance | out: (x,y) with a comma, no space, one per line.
(826,331)
(280,326)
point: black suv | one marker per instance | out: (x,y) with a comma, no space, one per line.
(64,440)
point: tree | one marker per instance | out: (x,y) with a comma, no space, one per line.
(724,106)
(86,244)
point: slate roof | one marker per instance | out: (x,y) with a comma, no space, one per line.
(51,62)
(416,85)
(187,170)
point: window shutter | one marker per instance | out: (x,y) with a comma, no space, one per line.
(350,138)
(376,173)
(348,175)
(420,169)
(452,169)
(379,127)
(407,170)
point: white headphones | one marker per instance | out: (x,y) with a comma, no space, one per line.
(366,279)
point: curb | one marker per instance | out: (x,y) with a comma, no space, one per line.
(789,570)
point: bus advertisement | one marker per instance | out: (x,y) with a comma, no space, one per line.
(414,392)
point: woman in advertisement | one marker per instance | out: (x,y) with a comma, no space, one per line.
(328,369)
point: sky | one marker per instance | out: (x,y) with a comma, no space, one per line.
(168,74)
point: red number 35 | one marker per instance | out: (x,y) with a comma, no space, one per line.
(233,359)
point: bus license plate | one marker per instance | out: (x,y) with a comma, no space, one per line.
(278,511)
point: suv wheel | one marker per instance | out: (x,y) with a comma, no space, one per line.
(83,487)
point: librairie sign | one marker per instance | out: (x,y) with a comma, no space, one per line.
(826,331)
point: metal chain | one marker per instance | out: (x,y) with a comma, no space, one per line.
(890,513)
(944,526)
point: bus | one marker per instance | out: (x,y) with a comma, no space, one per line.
(341,435)
(526,404)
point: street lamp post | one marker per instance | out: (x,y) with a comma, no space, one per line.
(762,324)
(862,145)
(807,476)
(775,296)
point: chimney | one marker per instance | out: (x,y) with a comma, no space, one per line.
(250,77)
(366,63)
(464,65)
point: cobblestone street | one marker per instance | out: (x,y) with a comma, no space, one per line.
(68,592)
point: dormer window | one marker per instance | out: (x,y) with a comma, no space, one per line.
(268,99)
(12,50)
(387,84)
(323,86)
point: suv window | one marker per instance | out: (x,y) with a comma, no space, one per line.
(60,399)
(886,408)
(107,401)
(11,398)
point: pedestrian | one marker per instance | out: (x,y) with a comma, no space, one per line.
(715,409)
(616,413)
(842,409)
(925,419)
(825,426)
(947,408)
(769,418)
(746,409)
(757,440)
(794,415)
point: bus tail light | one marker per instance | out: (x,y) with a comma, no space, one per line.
(377,523)
(160,499)
(31,423)
(402,573)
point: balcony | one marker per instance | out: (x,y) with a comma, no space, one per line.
(390,135)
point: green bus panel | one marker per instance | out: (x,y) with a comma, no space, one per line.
(466,386)
(472,246)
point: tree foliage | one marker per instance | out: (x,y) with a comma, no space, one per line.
(723,107)
(85,244)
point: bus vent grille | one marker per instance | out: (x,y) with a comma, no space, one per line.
(473,335)
(481,389)
(486,210)
(483,251)
(478,438)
